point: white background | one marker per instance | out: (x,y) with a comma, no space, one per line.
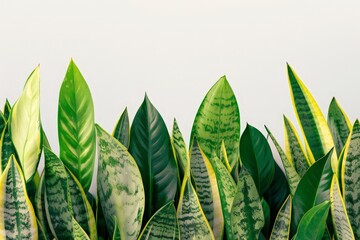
(176,50)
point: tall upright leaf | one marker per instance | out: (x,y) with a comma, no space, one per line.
(257,158)
(76,126)
(25,126)
(120,188)
(2,122)
(311,119)
(281,228)
(179,147)
(17,215)
(217,120)
(122,129)
(6,147)
(7,109)
(351,178)
(151,148)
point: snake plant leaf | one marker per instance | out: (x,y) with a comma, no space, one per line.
(79,233)
(281,228)
(217,120)
(316,216)
(179,147)
(150,146)
(17,218)
(207,189)
(192,220)
(76,129)
(45,139)
(120,188)
(42,235)
(2,122)
(339,125)
(247,218)
(313,188)
(227,191)
(223,156)
(116,233)
(102,231)
(25,126)
(6,147)
(163,225)
(266,210)
(291,174)
(311,119)
(122,129)
(351,179)
(339,215)
(7,109)
(294,150)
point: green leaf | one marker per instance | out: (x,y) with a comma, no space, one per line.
(207,189)
(351,179)
(179,147)
(76,126)
(247,218)
(41,231)
(6,147)
(266,210)
(102,231)
(2,122)
(17,215)
(79,233)
(7,109)
(291,174)
(281,228)
(339,215)
(311,119)
(313,188)
(339,125)
(294,150)
(217,120)
(25,126)
(151,147)
(120,188)
(316,216)
(257,158)
(122,129)
(162,225)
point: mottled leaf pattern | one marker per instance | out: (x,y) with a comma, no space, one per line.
(120,188)
(122,129)
(281,228)
(179,146)
(217,120)
(79,233)
(2,122)
(6,148)
(7,109)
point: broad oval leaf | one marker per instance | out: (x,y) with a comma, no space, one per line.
(217,120)
(120,188)
(281,228)
(6,148)
(17,215)
(122,129)
(25,126)
(76,129)
(257,158)
(162,225)
(151,148)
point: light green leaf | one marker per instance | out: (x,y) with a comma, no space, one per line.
(79,233)
(162,225)
(76,126)
(179,147)
(247,217)
(116,233)
(122,129)
(281,228)
(25,126)
(120,188)
(6,148)
(17,215)
(351,179)
(7,109)
(217,120)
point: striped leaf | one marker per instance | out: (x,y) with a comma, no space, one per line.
(316,216)
(247,218)
(2,122)
(120,188)
(122,129)
(42,235)
(227,191)
(281,228)
(339,215)
(162,225)
(7,109)
(257,158)
(6,148)
(351,178)
(76,126)
(79,233)
(217,120)
(207,189)
(151,148)
(17,218)
(223,156)
(192,220)
(179,147)
(339,125)
(311,119)
(294,150)
(25,126)
(291,174)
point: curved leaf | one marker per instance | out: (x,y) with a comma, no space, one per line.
(25,126)
(180,147)
(257,158)
(7,109)
(151,148)
(6,148)
(162,225)
(122,129)
(79,233)
(247,218)
(217,120)
(120,188)
(281,228)
(76,126)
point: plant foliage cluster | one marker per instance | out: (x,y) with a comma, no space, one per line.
(150,185)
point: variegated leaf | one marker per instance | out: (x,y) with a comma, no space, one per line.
(79,233)
(6,148)
(179,147)
(281,228)
(7,109)
(122,129)
(41,231)
(2,122)
(223,157)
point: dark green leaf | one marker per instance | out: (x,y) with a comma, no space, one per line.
(122,129)
(7,109)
